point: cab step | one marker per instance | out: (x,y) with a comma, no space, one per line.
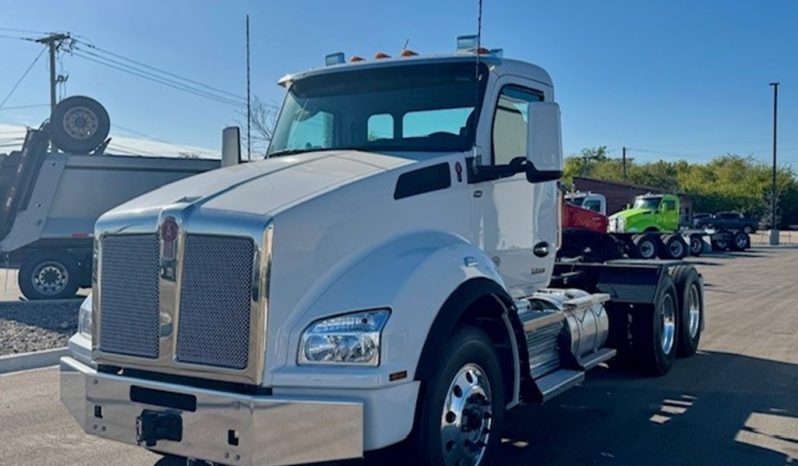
(558,382)
(592,360)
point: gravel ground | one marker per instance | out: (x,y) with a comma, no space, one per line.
(32,326)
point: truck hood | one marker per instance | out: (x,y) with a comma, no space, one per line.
(265,187)
(630,213)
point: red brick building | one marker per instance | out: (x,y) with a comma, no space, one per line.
(619,194)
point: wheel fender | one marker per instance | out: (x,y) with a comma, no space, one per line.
(413,276)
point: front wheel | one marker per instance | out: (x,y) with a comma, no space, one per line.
(462,406)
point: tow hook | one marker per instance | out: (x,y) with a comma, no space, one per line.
(152,426)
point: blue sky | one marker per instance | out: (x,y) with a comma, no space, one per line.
(669,79)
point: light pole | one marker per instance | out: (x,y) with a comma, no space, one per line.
(774,230)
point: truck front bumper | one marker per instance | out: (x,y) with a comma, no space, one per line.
(215,426)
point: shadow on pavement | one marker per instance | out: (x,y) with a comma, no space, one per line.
(716,409)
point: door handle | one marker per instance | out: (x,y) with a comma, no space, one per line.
(541,249)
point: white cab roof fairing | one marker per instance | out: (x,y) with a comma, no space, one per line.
(499,66)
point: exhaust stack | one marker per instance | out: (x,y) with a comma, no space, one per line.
(231,146)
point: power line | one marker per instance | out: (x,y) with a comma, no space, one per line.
(173,75)
(19,107)
(4,36)
(21,78)
(24,31)
(142,74)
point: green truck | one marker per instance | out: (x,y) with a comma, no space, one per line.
(650,213)
(651,228)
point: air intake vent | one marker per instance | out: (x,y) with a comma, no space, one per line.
(215,301)
(129,319)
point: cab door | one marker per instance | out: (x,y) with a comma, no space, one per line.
(670,214)
(517,221)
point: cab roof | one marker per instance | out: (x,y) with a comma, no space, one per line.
(496,64)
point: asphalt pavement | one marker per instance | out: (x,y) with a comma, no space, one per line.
(734,403)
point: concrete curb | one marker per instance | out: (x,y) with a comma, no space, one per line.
(33,360)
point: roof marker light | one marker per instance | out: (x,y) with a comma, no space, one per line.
(381,55)
(408,53)
(466,43)
(334,59)
(355,59)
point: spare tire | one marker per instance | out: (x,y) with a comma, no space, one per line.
(79,124)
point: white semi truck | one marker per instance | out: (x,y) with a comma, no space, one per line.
(386,277)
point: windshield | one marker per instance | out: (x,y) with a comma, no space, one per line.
(651,203)
(426,107)
(577,200)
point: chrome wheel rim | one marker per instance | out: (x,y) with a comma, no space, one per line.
(80,123)
(668,323)
(50,278)
(467,417)
(696,245)
(647,249)
(694,306)
(676,248)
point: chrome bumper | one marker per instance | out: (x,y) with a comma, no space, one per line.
(222,427)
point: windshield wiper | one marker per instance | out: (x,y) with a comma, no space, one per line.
(280,153)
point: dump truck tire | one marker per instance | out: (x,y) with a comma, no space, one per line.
(49,275)
(79,124)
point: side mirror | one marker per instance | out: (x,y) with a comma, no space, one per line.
(544,142)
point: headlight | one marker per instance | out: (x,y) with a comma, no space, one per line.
(352,339)
(85,323)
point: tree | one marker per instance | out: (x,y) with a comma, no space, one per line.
(263,117)
(729,182)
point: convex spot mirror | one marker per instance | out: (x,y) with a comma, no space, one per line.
(544,142)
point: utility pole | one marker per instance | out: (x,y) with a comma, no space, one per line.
(624,163)
(774,231)
(53,42)
(249,107)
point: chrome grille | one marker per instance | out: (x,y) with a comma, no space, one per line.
(129,295)
(215,301)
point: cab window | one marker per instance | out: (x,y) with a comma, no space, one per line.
(670,205)
(510,123)
(592,204)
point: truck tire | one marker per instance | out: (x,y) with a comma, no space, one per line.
(645,246)
(721,241)
(696,245)
(461,410)
(748,229)
(674,247)
(655,332)
(49,275)
(79,124)
(741,241)
(690,297)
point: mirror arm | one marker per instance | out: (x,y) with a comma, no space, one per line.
(533,175)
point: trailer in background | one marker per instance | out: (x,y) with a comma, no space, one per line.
(51,198)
